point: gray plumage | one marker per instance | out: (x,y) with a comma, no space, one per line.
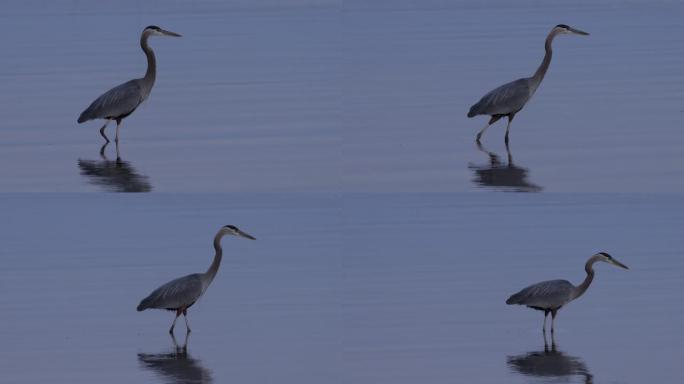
(120,101)
(510,98)
(181,293)
(550,296)
(547,294)
(506,99)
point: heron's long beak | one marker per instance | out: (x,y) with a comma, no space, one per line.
(618,264)
(247,235)
(578,32)
(169,33)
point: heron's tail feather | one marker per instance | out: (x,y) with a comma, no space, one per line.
(143,305)
(514,299)
(84,117)
(474,110)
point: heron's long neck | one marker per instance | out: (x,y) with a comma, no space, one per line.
(589,268)
(151,73)
(541,71)
(213,268)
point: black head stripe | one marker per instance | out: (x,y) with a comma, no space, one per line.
(562,26)
(234,228)
(153,27)
(606,255)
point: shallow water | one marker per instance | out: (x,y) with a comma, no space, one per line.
(335,132)
(426,277)
(356,96)
(76,266)
(243,101)
(354,288)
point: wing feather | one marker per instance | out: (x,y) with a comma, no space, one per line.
(181,292)
(121,100)
(508,98)
(547,294)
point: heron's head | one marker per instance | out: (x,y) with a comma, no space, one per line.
(566,29)
(153,30)
(235,231)
(606,258)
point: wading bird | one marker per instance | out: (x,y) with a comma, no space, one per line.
(121,101)
(510,98)
(550,296)
(180,294)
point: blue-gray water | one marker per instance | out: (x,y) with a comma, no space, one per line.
(356,288)
(335,132)
(323,96)
(76,266)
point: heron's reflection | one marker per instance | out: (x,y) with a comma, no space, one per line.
(506,177)
(550,363)
(114,176)
(176,366)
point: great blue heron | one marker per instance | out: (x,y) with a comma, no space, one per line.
(510,98)
(122,100)
(180,294)
(550,296)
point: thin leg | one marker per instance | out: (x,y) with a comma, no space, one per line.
(102,150)
(479,134)
(508,127)
(184,348)
(510,156)
(118,125)
(187,326)
(491,121)
(553,320)
(118,156)
(175,343)
(178,313)
(102,131)
(546,313)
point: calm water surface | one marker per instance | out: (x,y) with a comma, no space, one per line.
(426,278)
(354,288)
(243,101)
(354,96)
(75,267)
